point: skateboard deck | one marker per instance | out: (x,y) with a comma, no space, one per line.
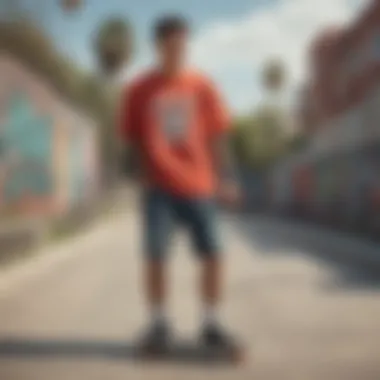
(192,352)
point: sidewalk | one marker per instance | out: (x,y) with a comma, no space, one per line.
(20,236)
(70,311)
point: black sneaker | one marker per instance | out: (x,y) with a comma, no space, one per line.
(214,336)
(156,339)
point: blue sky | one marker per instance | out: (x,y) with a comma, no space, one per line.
(232,38)
(73,32)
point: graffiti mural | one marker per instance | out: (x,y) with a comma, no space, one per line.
(26,140)
(48,156)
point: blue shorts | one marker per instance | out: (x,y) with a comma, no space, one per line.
(163,211)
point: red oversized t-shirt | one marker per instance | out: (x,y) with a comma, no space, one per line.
(172,122)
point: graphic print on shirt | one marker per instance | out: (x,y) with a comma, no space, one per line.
(174,115)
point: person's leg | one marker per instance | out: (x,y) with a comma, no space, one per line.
(211,288)
(155,289)
(201,217)
(157,231)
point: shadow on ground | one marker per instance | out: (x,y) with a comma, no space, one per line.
(183,353)
(355,263)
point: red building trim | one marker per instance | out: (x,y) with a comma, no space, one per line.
(347,67)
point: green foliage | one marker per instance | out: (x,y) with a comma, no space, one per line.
(297,143)
(30,45)
(261,139)
(113,44)
(243,140)
(274,75)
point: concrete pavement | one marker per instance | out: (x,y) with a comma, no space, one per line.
(74,312)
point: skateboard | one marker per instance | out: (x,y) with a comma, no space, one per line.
(192,352)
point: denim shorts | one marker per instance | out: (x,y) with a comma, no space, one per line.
(163,212)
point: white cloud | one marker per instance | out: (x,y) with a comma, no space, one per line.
(233,51)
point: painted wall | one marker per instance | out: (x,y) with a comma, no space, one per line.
(47,149)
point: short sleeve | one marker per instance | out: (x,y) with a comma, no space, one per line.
(215,109)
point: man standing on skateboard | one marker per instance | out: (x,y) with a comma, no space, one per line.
(177,124)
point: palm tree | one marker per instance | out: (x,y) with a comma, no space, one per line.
(36,12)
(274,75)
(259,138)
(270,116)
(70,5)
(113,45)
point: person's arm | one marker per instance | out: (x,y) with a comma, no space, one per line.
(229,190)
(219,126)
(130,128)
(224,157)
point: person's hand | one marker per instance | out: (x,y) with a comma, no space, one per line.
(229,194)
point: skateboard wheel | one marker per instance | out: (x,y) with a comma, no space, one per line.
(238,356)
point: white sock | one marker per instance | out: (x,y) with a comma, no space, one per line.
(158,315)
(210,316)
